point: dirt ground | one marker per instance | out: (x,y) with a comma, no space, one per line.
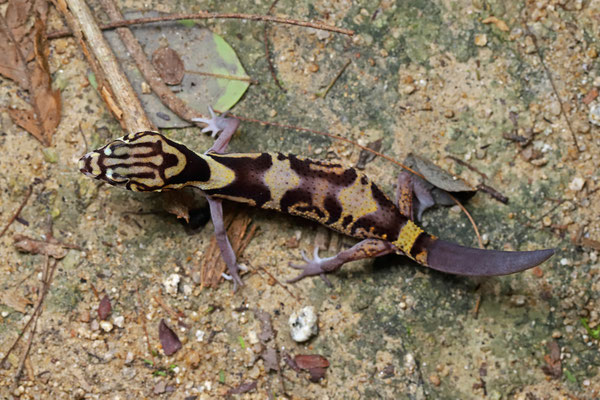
(509,89)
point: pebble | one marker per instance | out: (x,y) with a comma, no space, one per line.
(171,284)
(94,326)
(594,115)
(577,184)
(129,358)
(119,321)
(518,300)
(435,380)
(408,89)
(106,326)
(481,40)
(303,324)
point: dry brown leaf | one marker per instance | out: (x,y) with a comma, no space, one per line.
(29,245)
(15,301)
(24,58)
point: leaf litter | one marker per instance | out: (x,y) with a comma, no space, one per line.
(24,59)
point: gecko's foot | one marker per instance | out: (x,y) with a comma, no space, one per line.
(235,276)
(214,124)
(316,266)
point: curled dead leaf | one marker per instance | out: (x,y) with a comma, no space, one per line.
(168,339)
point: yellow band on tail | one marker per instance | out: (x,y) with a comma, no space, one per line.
(406,239)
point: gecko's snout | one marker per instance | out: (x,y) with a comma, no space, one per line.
(84,165)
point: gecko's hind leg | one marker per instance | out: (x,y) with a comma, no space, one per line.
(412,195)
(216,213)
(215,124)
(320,266)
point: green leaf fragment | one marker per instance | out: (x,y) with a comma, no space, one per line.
(242,342)
(92,80)
(188,23)
(570,377)
(222,376)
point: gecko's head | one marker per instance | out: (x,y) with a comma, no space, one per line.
(142,162)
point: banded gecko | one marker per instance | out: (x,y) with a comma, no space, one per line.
(342,199)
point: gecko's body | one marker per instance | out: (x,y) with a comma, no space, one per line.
(340,198)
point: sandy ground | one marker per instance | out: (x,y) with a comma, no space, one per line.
(508,96)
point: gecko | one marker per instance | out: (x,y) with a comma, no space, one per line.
(341,198)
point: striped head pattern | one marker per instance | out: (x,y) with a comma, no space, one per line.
(144,162)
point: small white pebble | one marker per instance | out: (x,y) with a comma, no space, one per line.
(594,115)
(106,326)
(577,184)
(564,261)
(303,324)
(129,358)
(119,321)
(188,289)
(200,335)
(171,284)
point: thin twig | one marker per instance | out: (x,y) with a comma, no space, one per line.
(116,90)
(16,214)
(206,15)
(458,203)
(150,74)
(142,318)
(337,76)
(267,53)
(493,192)
(230,77)
(467,165)
(554,89)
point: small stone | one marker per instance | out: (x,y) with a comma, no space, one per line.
(303,324)
(106,326)
(435,380)
(188,289)
(518,300)
(408,89)
(171,284)
(480,39)
(577,184)
(529,45)
(581,126)
(547,221)
(94,326)
(193,358)
(119,321)
(449,114)
(129,358)
(594,115)
(84,316)
(146,88)
(556,335)
(312,67)
(592,52)
(160,387)
(402,305)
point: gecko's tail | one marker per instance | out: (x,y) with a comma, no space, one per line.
(454,259)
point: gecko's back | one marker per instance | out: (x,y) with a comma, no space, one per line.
(340,198)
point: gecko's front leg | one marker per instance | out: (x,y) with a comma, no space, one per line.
(216,213)
(215,124)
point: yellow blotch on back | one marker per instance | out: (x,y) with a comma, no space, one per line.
(279,178)
(220,175)
(357,199)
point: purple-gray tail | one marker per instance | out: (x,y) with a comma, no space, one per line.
(454,259)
